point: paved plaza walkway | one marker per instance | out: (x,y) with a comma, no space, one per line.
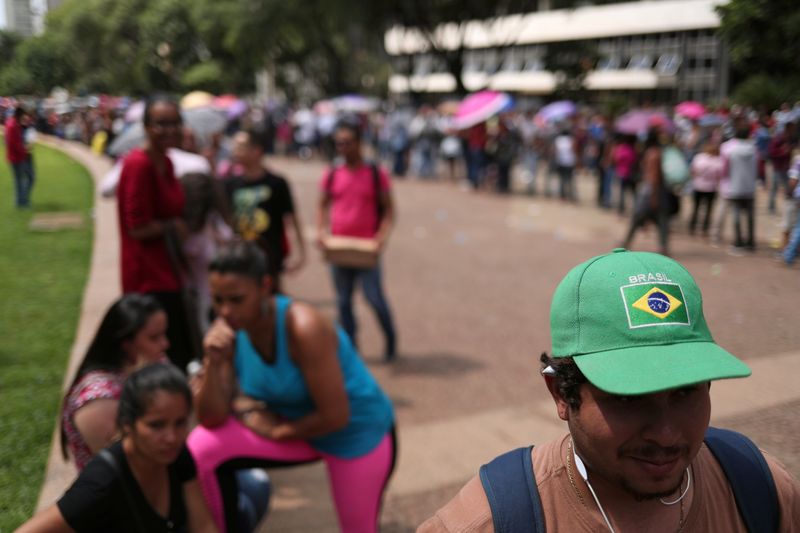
(470,278)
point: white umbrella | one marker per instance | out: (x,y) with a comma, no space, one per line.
(130,138)
(356,103)
(303,116)
(182,162)
(204,122)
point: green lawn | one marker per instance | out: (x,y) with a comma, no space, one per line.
(42,276)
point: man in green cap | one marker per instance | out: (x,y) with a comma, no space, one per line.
(630,372)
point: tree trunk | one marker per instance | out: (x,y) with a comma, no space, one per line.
(455,66)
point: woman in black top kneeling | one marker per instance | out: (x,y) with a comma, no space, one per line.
(145,482)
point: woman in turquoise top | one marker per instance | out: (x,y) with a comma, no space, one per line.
(311,396)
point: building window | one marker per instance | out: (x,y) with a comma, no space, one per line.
(609,63)
(512,62)
(534,64)
(490,62)
(640,62)
(472,63)
(423,65)
(668,64)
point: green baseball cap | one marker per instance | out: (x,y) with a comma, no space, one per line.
(634,324)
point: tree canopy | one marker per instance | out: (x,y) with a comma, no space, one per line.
(312,48)
(141,46)
(763,37)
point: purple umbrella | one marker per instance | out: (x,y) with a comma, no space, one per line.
(135,112)
(640,120)
(236,109)
(712,120)
(555,112)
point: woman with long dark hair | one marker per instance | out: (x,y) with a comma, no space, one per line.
(131,334)
(150,202)
(146,482)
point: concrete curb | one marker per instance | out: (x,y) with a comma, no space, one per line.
(102,287)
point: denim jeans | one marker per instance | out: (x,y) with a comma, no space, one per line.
(503,177)
(476,161)
(253,501)
(744,207)
(605,177)
(531,162)
(344,279)
(426,164)
(790,252)
(399,165)
(565,182)
(706,199)
(780,178)
(23,182)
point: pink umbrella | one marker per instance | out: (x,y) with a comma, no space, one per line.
(233,106)
(479,107)
(325,107)
(640,120)
(690,109)
(224,101)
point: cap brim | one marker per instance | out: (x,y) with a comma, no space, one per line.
(649,369)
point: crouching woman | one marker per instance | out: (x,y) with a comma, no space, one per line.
(145,482)
(316,400)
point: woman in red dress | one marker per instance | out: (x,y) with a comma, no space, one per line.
(150,206)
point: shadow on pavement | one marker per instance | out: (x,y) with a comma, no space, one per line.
(321,304)
(435,364)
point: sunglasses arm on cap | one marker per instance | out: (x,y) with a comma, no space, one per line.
(549,371)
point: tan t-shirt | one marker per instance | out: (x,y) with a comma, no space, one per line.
(713,508)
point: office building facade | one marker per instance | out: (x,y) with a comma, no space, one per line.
(19,17)
(653,50)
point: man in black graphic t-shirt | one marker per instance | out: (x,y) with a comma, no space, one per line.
(262,206)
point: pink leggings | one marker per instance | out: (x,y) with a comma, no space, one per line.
(357,484)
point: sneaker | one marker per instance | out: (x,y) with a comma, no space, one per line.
(736,251)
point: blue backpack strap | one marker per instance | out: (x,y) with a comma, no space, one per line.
(510,487)
(749,477)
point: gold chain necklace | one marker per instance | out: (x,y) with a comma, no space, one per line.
(571,478)
(681,519)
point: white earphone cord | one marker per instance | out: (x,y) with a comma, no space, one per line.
(579,466)
(582,471)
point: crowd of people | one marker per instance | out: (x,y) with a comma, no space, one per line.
(513,152)
(730,154)
(205,329)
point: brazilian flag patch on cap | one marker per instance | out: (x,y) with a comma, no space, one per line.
(654,304)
